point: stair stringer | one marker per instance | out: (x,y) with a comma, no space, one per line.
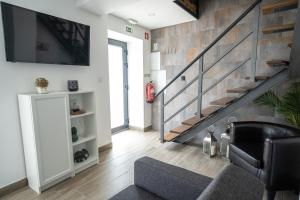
(244,100)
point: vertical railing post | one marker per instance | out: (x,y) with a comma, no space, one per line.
(162,117)
(200,87)
(256,22)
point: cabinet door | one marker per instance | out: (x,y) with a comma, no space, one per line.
(52,132)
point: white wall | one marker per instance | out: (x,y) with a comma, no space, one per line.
(19,78)
(118,25)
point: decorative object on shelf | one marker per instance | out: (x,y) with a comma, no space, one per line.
(75,109)
(287,106)
(85,153)
(210,142)
(74,134)
(225,138)
(73,85)
(81,156)
(41,85)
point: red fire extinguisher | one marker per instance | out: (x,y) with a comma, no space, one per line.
(150,92)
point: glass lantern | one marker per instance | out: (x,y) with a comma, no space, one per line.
(224,145)
(210,143)
(225,139)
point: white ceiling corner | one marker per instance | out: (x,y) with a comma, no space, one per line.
(151,14)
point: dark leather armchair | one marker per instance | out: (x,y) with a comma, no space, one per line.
(269,151)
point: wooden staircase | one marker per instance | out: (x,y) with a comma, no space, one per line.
(261,83)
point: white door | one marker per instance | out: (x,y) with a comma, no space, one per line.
(118,83)
(51,115)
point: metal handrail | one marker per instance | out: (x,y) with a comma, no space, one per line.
(206,70)
(181,109)
(204,92)
(178,93)
(225,76)
(225,54)
(245,13)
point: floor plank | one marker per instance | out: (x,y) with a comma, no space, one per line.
(115,170)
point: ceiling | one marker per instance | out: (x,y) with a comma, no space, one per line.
(150,14)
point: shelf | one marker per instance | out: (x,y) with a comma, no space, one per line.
(82,115)
(85,164)
(84,139)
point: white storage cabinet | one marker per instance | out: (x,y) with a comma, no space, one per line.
(47,139)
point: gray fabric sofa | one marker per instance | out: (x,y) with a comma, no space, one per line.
(155,180)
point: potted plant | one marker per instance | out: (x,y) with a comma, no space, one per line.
(41,85)
(288,105)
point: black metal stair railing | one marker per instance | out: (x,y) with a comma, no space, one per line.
(200,58)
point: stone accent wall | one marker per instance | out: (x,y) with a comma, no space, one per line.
(180,44)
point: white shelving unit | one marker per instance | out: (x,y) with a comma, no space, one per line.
(46,130)
(84,140)
(81,115)
(86,128)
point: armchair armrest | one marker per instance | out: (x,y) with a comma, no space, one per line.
(282,162)
(234,183)
(167,181)
(250,132)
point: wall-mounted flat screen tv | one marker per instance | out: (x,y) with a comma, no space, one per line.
(35,37)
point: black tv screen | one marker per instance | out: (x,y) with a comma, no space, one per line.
(35,37)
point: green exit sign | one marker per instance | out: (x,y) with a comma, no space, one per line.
(129,29)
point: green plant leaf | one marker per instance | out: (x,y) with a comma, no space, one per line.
(269,99)
(288,106)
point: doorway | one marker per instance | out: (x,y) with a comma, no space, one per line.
(118,83)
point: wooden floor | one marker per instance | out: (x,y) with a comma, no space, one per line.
(115,170)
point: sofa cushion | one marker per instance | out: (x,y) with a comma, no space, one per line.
(250,152)
(167,181)
(233,183)
(240,162)
(135,193)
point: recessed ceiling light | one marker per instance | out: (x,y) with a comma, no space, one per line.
(151,14)
(132,21)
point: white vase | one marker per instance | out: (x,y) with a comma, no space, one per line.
(41,90)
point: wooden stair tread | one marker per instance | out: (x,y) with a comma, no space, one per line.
(261,78)
(278,63)
(279,6)
(278,28)
(170,136)
(240,89)
(209,110)
(223,101)
(193,121)
(181,129)
(258,78)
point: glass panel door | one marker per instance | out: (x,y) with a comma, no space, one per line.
(118,83)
